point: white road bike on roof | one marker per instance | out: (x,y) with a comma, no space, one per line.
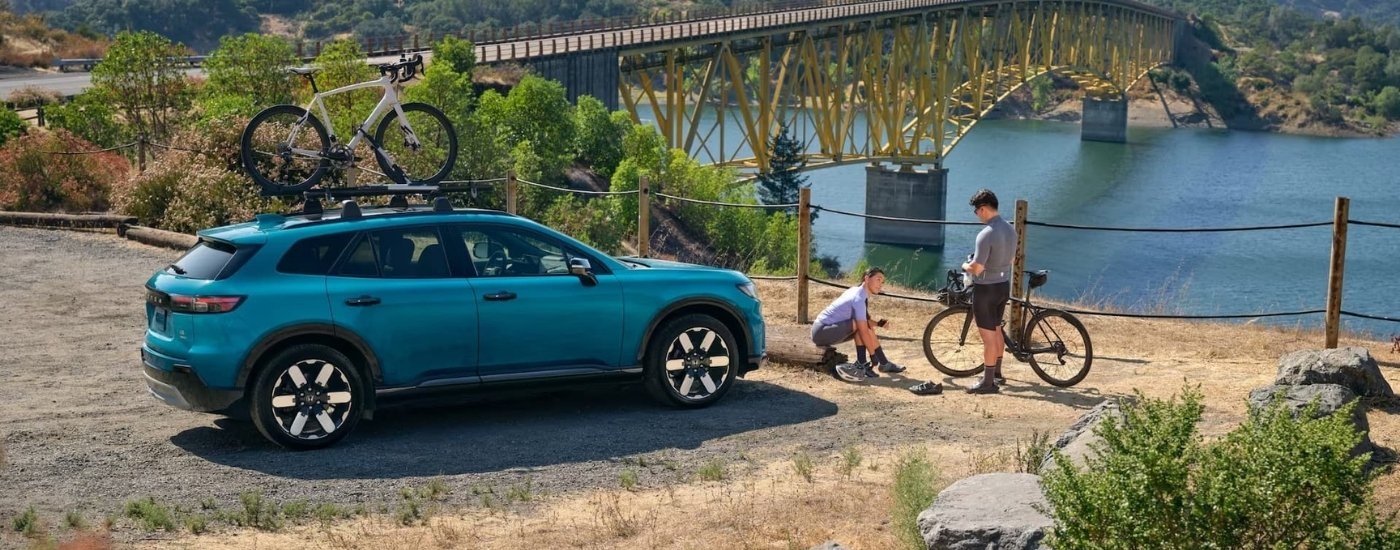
(288,149)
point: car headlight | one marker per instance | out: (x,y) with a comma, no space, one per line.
(748,288)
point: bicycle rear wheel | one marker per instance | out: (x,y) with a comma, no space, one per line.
(1059,348)
(425,162)
(951,342)
(284,150)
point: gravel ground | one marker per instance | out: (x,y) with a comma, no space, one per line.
(81,432)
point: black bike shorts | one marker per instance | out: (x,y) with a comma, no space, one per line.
(989,304)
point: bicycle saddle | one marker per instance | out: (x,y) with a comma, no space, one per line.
(305,71)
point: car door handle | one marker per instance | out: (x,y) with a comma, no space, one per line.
(362,301)
(500,296)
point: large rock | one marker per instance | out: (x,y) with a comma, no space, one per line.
(1077,443)
(1352,367)
(1001,511)
(1329,398)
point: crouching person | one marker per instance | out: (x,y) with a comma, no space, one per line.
(847,318)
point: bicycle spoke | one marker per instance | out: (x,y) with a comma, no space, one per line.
(1059,348)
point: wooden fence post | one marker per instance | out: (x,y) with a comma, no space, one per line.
(1334,278)
(511,189)
(1018,266)
(141,155)
(643,217)
(804,250)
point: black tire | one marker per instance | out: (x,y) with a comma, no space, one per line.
(265,150)
(308,396)
(681,371)
(1059,348)
(951,342)
(437,152)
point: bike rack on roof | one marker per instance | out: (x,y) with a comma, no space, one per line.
(397,193)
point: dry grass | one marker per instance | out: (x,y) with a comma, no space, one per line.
(850,495)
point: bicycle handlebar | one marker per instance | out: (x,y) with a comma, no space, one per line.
(404,70)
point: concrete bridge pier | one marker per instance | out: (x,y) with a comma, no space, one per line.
(593,72)
(905,193)
(1104,120)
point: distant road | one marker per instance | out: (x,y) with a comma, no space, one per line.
(70,84)
(66,84)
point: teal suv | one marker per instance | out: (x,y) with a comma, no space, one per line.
(308,322)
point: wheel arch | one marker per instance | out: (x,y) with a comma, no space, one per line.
(345,341)
(721,311)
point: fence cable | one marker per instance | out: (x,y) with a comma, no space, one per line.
(899,296)
(1166,316)
(575,191)
(1375,224)
(174,148)
(472,182)
(734,204)
(109,149)
(1179,229)
(1371,317)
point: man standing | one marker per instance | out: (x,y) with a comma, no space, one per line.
(846,319)
(990,268)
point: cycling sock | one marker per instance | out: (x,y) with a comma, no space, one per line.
(879,356)
(860,354)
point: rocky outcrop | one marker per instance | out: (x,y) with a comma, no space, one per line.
(1003,511)
(1077,442)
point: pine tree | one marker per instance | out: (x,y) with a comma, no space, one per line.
(783,180)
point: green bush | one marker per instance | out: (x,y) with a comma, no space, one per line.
(11,126)
(37,178)
(1274,482)
(91,118)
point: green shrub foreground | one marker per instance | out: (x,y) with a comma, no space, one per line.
(1273,482)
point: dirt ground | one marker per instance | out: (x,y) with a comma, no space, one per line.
(602,468)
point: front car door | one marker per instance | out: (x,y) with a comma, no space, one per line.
(537,319)
(397,291)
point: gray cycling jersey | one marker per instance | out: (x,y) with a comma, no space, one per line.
(996,248)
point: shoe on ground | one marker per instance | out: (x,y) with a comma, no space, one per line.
(889,367)
(926,388)
(996,375)
(850,373)
(984,387)
(869,370)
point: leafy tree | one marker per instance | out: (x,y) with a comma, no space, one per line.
(783,181)
(90,117)
(599,139)
(253,67)
(141,79)
(343,63)
(1387,103)
(1041,88)
(537,111)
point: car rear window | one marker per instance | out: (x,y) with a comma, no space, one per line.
(314,256)
(205,261)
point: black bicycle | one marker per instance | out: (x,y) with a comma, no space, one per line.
(1052,341)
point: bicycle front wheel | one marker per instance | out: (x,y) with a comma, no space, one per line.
(1059,348)
(951,343)
(422,145)
(284,148)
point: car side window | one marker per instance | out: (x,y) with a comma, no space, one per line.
(413,253)
(315,255)
(508,252)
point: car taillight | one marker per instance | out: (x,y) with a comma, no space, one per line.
(204,304)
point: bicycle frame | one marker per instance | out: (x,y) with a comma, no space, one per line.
(1014,345)
(390,100)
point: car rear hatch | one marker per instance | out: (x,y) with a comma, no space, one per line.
(188,288)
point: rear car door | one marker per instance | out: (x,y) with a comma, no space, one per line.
(397,290)
(537,319)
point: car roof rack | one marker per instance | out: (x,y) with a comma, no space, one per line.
(381,190)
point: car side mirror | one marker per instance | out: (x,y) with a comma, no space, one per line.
(580,268)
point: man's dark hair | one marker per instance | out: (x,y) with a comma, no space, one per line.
(872,272)
(984,197)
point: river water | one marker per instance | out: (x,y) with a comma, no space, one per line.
(1161,178)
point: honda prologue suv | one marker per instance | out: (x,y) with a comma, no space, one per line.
(307,321)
